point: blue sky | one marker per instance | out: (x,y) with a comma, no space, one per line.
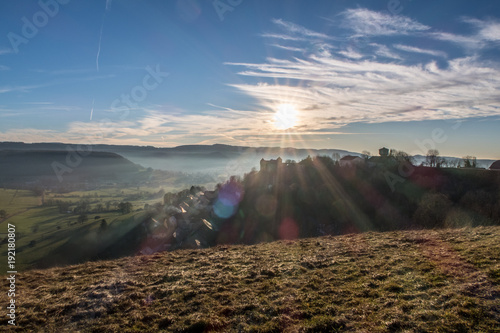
(355,75)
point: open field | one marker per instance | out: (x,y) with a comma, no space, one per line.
(412,281)
(43,230)
(16,201)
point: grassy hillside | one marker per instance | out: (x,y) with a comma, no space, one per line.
(412,281)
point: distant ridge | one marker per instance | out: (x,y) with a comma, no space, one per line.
(183,148)
(146,155)
(215,159)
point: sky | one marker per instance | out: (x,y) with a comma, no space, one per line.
(354,75)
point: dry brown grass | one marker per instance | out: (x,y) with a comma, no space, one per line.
(409,281)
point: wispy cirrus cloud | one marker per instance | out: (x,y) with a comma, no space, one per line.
(35,109)
(21,88)
(385,52)
(165,125)
(4,68)
(413,49)
(282,36)
(72,71)
(465,41)
(365,22)
(487,33)
(29,135)
(361,83)
(370,91)
(350,53)
(296,29)
(28,88)
(5,51)
(289,48)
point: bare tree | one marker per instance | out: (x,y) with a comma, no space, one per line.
(401,156)
(469,161)
(432,158)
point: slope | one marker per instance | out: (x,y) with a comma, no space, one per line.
(437,280)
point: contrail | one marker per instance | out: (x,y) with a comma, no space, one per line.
(108,7)
(99,47)
(92,110)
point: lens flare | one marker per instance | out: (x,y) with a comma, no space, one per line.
(228,200)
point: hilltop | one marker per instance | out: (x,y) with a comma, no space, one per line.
(56,166)
(428,280)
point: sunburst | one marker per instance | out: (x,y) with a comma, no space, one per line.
(285,116)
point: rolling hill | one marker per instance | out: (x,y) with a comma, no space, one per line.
(215,158)
(20,166)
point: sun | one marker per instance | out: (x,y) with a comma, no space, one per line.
(285,116)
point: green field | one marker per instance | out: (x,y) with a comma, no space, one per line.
(43,230)
(16,201)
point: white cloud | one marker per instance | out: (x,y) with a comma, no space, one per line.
(350,53)
(465,41)
(491,32)
(413,49)
(167,126)
(4,68)
(488,32)
(282,36)
(296,29)
(29,135)
(332,92)
(384,51)
(289,48)
(370,23)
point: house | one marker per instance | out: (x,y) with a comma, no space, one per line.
(495,165)
(383,160)
(350,161)
(384,152)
